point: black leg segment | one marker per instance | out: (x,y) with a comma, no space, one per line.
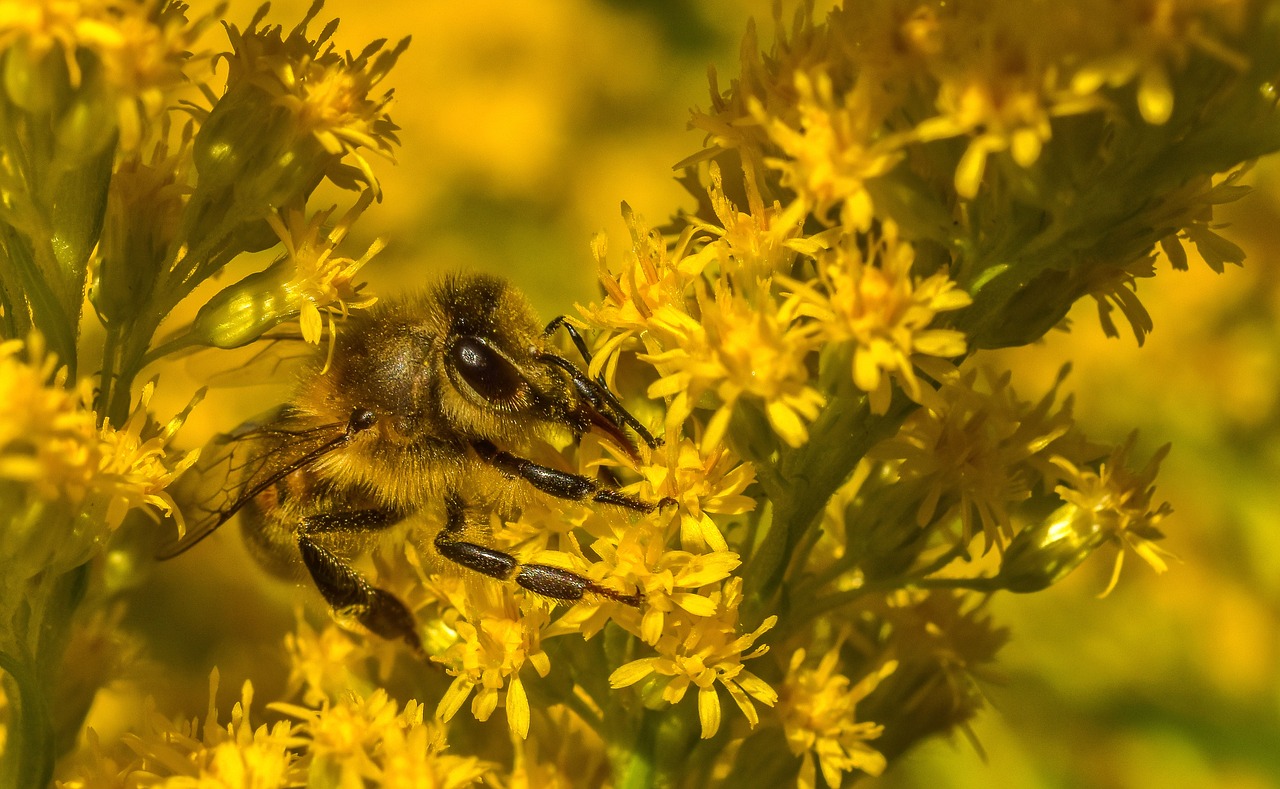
(595,392)
(552,582)
(561,584)
(346,591)
(561,484)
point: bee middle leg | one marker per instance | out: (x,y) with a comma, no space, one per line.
(543,579)
(343,588)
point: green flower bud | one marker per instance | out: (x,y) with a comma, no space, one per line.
(1042,555)
(35,83)
(87,126)
(144,212)
(243,312)
(250,152)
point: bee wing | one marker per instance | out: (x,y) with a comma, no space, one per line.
(272,358)
(235,467)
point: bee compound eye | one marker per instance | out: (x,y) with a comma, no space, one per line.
(485,370)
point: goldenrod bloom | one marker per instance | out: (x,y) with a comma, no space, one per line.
(818,710)
(703,652)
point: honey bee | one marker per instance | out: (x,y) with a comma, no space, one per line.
(428,402)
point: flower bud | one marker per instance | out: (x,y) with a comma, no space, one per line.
(250,153)
(243,312)
(1044,554)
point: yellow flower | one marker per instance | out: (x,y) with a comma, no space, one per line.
(1152,41)
(999,84)
(495,640)
(321,664)
(320,278)
(703,479)
(572,754)
(1119,504)
(704,652)
(670,580)
(653,278)
(740,348)
(357,742)
(1193,207)
(326,94)
(306,280)
(185,755)
(1118,287)
(135,54)
(818,711)
(132,471)
(978,450)
(50,442)
(748,246)
(835,149)
(873,302)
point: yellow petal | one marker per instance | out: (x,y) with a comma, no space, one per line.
(707,569)
(970,169)
(695,604)
(1026,147)
(632,672)
(709,712)
(717,426)
(787,424)
(517,708)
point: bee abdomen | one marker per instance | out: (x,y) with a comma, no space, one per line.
(268,532)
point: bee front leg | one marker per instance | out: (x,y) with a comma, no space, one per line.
(343,588)
(596,392)
(561,484)
(548,581)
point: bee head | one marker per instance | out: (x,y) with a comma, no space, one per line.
(467,360)
(499,365)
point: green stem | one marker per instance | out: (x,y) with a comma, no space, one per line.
(634,768)
(28,753)
(659,754)
(106,380)
(841,436)
(978,584)
(919,580)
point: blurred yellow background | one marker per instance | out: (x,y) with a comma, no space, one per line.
(525,125)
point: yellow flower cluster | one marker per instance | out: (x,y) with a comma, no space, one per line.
(128,180)
(882,195)
(818,713)
(983,451)
(57,463)
(123,62)
(348,744)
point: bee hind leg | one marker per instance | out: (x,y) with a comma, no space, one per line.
(548,581)
(346,590)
